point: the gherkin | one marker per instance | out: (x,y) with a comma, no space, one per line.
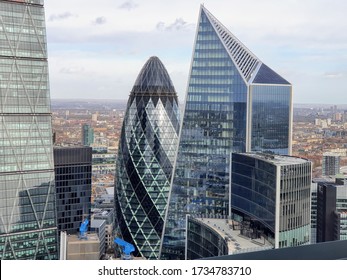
(145,161)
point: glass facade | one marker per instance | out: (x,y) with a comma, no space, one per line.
(214,124)
(229,89)
(203,241)
(253,189)
(87,135)
(28,227)
(271,114)
(73,180)
(273,191)
(145,159)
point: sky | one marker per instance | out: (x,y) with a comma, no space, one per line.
(96,48)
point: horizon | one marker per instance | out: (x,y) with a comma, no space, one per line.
(125,100)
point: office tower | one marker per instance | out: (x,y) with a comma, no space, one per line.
(272,195)
(234,103)
(146,154)
(87,135)
(103,161)
(331,212)
(330,164)
(73,180)
(28,228)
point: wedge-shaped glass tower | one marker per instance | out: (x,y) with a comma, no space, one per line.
(147,149)
(234,103)
(28,228)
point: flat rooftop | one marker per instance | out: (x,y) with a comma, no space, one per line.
(277,159)
(91,238)
(237,243)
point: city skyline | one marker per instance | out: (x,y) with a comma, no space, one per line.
(94,51)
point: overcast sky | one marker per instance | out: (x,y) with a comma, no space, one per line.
(96,48)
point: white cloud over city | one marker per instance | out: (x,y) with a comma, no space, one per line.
(97,48)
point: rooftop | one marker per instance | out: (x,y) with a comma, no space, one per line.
(91,238)
(236,242)
(277,159)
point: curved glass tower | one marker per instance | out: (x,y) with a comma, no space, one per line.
(145,159)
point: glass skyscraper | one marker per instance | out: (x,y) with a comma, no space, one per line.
(73,182)
(147,149)
(272,194)
(234,103)
(28,228)
(87,135)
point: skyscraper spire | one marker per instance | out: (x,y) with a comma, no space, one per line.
(234,103)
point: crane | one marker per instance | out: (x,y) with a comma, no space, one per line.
(127,248)
(84,229)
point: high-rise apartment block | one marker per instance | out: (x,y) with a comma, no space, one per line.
(146,156)
(28,228)
(87,135)
(331,164)
(234,103)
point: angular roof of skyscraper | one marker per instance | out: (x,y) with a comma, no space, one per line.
(153,79)
(248,64)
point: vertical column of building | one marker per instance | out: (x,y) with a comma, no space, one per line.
(28,227)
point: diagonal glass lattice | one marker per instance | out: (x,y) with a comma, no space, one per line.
(28,227)
(145,159)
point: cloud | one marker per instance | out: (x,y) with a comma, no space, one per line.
(61,16)
(178,24)
(99,21)
(72,70)
(333,75)
(128,5)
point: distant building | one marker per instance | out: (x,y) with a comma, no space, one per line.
(271,196)
(87,135)
(73,178)
(104,163)
(95,117)
(330,164)
(108,216)
(99,227)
